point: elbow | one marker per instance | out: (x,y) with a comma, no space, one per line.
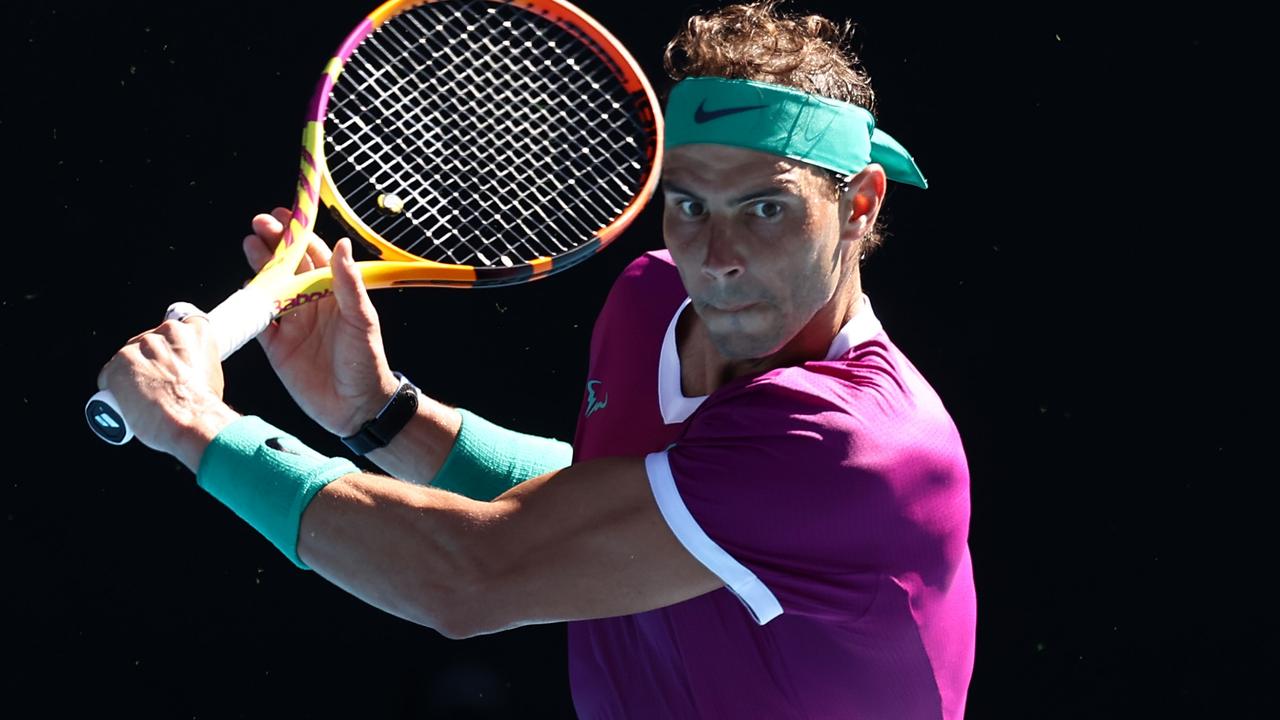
(469,597)
(468,612)
(451,609)
(464,631)
(455,631)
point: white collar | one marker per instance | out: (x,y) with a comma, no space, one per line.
(676,407)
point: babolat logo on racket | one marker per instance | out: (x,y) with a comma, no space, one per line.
(105,421)
(302,299)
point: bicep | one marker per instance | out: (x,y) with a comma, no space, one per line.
(588,541)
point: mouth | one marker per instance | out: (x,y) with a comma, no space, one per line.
(731,308)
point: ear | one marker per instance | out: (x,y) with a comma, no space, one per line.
(864,198)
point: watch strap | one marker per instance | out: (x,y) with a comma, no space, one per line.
(379,431)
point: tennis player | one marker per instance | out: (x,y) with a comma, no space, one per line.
(764,512)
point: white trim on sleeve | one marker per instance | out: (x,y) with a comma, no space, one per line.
(753,593)
(676,407)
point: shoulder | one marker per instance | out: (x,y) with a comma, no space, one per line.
(651,271)
(865,408)
(846,395)
(649,287)
(782,422)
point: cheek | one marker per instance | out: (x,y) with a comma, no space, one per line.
(804,289)
(677,235)
(809,274)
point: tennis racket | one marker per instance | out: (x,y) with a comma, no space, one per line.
(465,143)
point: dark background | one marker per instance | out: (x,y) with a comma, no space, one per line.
(1063,284)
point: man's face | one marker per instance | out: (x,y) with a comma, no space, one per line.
(757,240)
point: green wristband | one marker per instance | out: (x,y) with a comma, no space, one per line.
(488,460)
(267,477)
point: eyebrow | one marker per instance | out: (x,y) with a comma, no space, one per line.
(779,187)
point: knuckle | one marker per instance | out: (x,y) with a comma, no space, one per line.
(152,341)
(169,328)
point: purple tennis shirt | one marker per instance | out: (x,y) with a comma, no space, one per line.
(832,498)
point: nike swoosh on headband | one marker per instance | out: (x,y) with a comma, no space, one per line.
(702,115)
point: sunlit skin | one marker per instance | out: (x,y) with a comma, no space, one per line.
(768,255)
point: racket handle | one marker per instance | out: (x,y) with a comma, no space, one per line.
(239,319)
(235,322)
(105,419)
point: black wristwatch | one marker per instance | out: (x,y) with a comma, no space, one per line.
(394,416)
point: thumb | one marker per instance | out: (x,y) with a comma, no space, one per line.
(348,285)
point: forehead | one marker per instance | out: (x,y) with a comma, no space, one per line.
(726,168)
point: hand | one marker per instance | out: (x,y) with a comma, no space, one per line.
(168,383)
(329,355)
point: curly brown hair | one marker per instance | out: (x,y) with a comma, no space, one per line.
(757,41)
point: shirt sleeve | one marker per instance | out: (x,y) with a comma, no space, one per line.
(771,488)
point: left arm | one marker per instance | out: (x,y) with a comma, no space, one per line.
(584,542)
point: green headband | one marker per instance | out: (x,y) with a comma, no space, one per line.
(779,120)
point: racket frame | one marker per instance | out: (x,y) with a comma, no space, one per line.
(396,268)
(278,288)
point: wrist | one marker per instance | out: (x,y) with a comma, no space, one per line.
(388,421)
(416,453)
(268,477)
(200,430)
(373,404)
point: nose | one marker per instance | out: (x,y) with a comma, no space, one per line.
(722,260)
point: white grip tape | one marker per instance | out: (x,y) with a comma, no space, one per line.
(235,322)
(240,318)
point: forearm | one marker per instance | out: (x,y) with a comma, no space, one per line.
(411,551)
(584,542)
(418,451)
(459,451)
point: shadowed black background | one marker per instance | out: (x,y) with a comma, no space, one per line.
(1111,534)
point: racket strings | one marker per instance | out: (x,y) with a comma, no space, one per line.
(510,159)
(460,163)
(577,85)
(464,166)
(518,152)
(506,137)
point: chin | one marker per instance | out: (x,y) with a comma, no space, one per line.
(745,346)
(742,335)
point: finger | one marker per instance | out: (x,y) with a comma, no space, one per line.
(139,336)
(269,226)
(348,286)
(191,316)
(318,252)
(182,310)
(261,244)
(173,330)
(271,229)
(185,339)
(256,251)
(305,263)
(157,345)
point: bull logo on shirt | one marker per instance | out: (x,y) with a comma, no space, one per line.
(592,403)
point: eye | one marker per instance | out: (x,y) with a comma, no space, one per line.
(691,208)
(766,209)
